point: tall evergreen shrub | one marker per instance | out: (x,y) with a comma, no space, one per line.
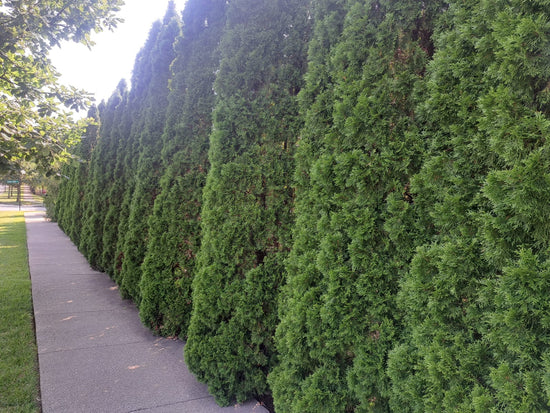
(515,235)
(174,226)
(76,201)
(149,166)
(443,357)
(120,134)
(474,294)
(248,198)
(70,210)
(65,188)
(339,318)
(127,160)
(100,179)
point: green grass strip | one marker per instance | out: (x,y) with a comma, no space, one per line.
(19,380)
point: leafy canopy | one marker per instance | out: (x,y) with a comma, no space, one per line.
(34,119)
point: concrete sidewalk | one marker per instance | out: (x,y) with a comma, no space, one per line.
(94,354)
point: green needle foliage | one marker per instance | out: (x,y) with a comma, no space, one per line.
(443,360)
(149,166)
(174,227)
(100,180)
(299,307)
(360,227)
(349,250)
(127,159)
(247,200)
(515,226)
(120,135)
(69,213)
(476,293)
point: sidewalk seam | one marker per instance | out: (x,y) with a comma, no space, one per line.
(83,312)
(92,347)
(168,404)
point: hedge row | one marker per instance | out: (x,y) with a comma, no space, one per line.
(341,204)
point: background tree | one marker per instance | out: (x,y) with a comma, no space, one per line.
(247,201)
(33,125)
(174,227)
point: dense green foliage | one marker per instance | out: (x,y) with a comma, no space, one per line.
(100,174)
(71,195)
(351,247)
(339,203)
(174,227)
(35,124)
(19,381)
(476,292)
(247,200)
(115,189)
(149,164)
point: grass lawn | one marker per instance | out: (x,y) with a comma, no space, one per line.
(19,380)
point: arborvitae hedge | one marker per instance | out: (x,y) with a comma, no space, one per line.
(69,213)
(394,215)
(514,235)
(299,307)
(76,201)
(127,160)
(149,166)
(516,231)
(476,293)
(120,135)
(174,227)
(247,201)
(348,253)
(100,180)
(443,359)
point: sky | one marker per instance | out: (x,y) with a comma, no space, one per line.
(99,70)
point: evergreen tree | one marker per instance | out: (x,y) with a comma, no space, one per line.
(174,227)
(247,201)
(299,307)
(65,188)
(149,166)
(71,210)
(120,135)
(476,293)
(350,248)
(134,122)
(101,167)
(443,357)
(515,235)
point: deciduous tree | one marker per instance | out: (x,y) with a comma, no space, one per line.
(34,125)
